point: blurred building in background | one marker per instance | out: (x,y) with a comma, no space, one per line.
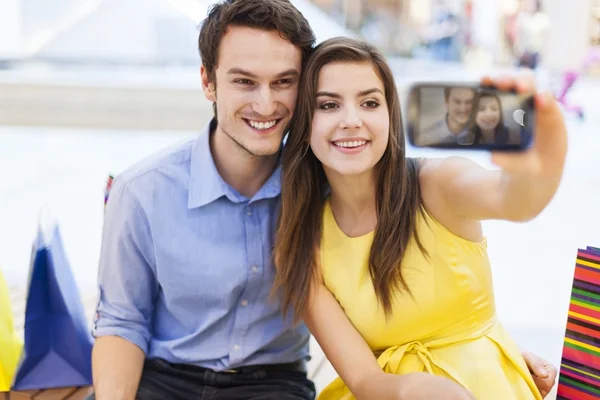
(79,60)
(109,64)
(481,31)
(158,32)
(120,32)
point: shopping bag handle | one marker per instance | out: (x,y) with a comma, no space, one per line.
(46,226)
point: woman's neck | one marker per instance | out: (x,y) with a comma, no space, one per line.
(488,135)
(353,202)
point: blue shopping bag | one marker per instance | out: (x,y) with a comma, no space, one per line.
(58,344)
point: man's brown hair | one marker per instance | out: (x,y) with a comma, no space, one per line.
(275,15)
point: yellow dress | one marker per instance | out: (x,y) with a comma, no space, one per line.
(449,327)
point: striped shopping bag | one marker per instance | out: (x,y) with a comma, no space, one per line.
(580,365)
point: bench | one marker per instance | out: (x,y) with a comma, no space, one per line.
(49,394)
(317,365)
(320,369)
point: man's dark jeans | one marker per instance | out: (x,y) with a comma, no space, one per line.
(164,381)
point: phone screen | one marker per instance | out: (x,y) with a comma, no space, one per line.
(468,116)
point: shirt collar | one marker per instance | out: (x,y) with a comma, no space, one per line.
(206,184)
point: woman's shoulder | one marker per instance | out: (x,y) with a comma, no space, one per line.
(430,173)
(436,175)
(436,168)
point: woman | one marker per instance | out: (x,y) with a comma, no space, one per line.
(488,127)
(382,255)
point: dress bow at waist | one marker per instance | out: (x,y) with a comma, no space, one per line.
(418,356)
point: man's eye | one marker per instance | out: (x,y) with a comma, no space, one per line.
(285,82)
(243,81)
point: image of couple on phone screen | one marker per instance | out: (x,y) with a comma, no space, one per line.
(466,116)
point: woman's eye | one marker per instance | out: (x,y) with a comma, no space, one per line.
(327,106)
(371,104)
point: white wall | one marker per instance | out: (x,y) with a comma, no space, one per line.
(11,34)
(568,39)
(486,25)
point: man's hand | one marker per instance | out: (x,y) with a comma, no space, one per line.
(544,373)
(413,386)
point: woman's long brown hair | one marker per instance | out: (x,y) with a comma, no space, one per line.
(304,189)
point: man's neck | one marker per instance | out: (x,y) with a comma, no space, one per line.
(243,171)
(454,127)
(353,203)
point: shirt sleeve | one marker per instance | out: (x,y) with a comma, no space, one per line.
(126,273)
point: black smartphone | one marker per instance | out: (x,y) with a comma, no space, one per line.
(469,116)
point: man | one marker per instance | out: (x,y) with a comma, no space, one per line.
(459,106)
(185,268)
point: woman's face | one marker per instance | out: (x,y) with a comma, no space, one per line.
(488,113)
(350,126)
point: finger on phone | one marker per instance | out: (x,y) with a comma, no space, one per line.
(504,83)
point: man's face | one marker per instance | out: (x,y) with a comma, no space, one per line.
(256,81)
(460,104)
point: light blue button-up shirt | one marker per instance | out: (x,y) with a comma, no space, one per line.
(185,267)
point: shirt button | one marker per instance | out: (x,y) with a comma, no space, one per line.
(236,347)
(244,303)
(249,213)
(254,268)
